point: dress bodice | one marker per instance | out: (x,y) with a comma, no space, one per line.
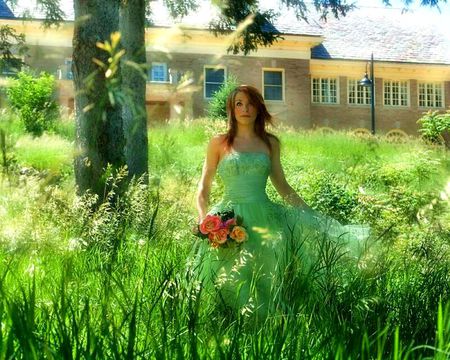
(244,175)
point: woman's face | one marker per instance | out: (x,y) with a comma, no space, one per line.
(244,111)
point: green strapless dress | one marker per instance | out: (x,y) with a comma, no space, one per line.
(248,277)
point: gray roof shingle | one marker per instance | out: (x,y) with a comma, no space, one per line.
(389,35)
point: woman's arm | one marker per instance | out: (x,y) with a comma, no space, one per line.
(279,179)
(208,173)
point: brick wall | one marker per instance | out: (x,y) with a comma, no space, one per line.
(294,111)
(345,116)
(66,94)
(47,58)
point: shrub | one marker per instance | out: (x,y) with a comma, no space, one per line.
(330,196)
(217,108)
(34,100)
(433,125)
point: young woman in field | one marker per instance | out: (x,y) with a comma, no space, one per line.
(251,247)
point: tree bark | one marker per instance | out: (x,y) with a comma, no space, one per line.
(99,132)
(132,28)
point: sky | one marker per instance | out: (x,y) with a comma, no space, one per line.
(428,14)
(396,4)
(426,11)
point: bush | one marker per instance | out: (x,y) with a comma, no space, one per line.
(331,196)
(433,125)
(217,108)
(34,100)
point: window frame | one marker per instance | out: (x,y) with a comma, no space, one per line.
(441,88)
(408,93)
(367,93)
(283,84)
(320,78)
(214,67)
(166,75)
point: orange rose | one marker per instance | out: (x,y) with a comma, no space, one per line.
(239,234)
(210,224)
(219,236)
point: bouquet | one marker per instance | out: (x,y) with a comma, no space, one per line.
(222,229)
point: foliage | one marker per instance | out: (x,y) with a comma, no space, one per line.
(65,127)
(217,107)
(113,281)
(179,9)
(110,70)
(253,27)
(11,42)
(8,159)
(433,124)
(9,131)
(34,100)
(331,196)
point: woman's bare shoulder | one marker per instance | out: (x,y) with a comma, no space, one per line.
(274,141)
(217,140)
(220,137)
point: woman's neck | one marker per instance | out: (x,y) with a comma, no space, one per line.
(245,132)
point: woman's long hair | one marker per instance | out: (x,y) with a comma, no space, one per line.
(262,119)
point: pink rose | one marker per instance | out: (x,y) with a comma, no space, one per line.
(228,223)
(219,236)
(210,224)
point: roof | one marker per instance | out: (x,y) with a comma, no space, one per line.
(201,17)
(5,11)
(390,35)
(198,19)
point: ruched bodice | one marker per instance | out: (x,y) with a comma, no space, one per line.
(244,175)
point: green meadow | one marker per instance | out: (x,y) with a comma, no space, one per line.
(113,282)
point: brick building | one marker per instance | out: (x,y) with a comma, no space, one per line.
(309,78)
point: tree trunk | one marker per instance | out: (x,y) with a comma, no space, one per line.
(132,28)
(99,132)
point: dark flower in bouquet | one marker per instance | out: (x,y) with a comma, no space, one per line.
(222,228)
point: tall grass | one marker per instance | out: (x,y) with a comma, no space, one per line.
(80,282)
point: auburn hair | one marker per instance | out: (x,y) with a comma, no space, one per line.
(262,119)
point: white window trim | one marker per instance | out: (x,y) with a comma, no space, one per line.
(338,91)
(283,84)
(348,93)
(215,67)
(408,94)
(441,83)
(156,63)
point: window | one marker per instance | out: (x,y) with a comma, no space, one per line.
(273,84)
(158,72)
(324,90)
(357,94)
(68,69)
(214,77)
(10,66)
(396,93)
(431,95)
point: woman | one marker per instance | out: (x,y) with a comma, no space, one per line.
(251,275)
